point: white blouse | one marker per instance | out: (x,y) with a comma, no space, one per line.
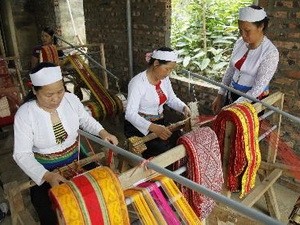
(143,98)
(33,132)
(256,71)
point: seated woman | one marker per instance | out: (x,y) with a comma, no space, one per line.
(148,92)
(45,134)
(47,51)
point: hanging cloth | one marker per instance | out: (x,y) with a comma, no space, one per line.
(204,167)
(161,95)
(244,155)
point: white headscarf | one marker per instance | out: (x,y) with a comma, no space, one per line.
(46,76)
(171,56)
(251,15)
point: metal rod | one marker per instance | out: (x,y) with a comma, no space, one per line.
(265,115)
(252,213)
(89,57)
(294,118)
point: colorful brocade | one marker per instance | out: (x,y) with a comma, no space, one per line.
(58,159)
(92,198)
(244,157)
(204,167)
(105,101)
(49,54)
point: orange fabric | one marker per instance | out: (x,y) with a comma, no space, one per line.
(49,54)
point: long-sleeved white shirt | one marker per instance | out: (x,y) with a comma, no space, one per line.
(256,71)
(33,132)
(143,98)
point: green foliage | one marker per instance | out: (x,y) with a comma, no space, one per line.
(205,50)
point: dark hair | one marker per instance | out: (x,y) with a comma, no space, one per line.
(31,96)
(264,22)
(164,49)
(51,32)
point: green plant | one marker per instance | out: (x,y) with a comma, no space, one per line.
(204,34)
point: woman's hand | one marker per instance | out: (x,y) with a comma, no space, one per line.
(108,137)
(187,111)
(54,179)
(161,131)
(217,104)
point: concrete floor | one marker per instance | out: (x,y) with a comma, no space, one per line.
(9,172)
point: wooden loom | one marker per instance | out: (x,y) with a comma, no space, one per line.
(269,170)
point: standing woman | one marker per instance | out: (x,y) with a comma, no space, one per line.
(45,134)
(148,92)
(253,61)
(47,51)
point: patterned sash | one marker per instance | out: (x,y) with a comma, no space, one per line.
(244,156)
(58,159)
(93,198)
(204,167)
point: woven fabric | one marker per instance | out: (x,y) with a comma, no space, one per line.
(95,197)
(178,201)
(161,202)
(99,92)
(141,206)
(244,155)
(59,159)
(204,167)
(49,54)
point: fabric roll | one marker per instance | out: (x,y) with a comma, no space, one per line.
(92,198)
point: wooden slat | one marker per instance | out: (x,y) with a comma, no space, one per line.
(270,100)
(136,174)
(258,191)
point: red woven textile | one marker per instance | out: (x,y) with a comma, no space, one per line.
(203,167)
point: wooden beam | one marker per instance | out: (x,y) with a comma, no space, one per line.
(138,173)
(258,191)
(270,100)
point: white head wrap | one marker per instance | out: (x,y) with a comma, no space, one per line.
(46,76)
(171,56)
(252,15)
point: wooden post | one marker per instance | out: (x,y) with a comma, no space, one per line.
(103,63)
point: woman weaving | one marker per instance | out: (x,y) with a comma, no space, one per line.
(148,92)
(45,133)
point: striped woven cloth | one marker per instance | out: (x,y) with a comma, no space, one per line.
(92,198)
(244,155)
(49,54)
